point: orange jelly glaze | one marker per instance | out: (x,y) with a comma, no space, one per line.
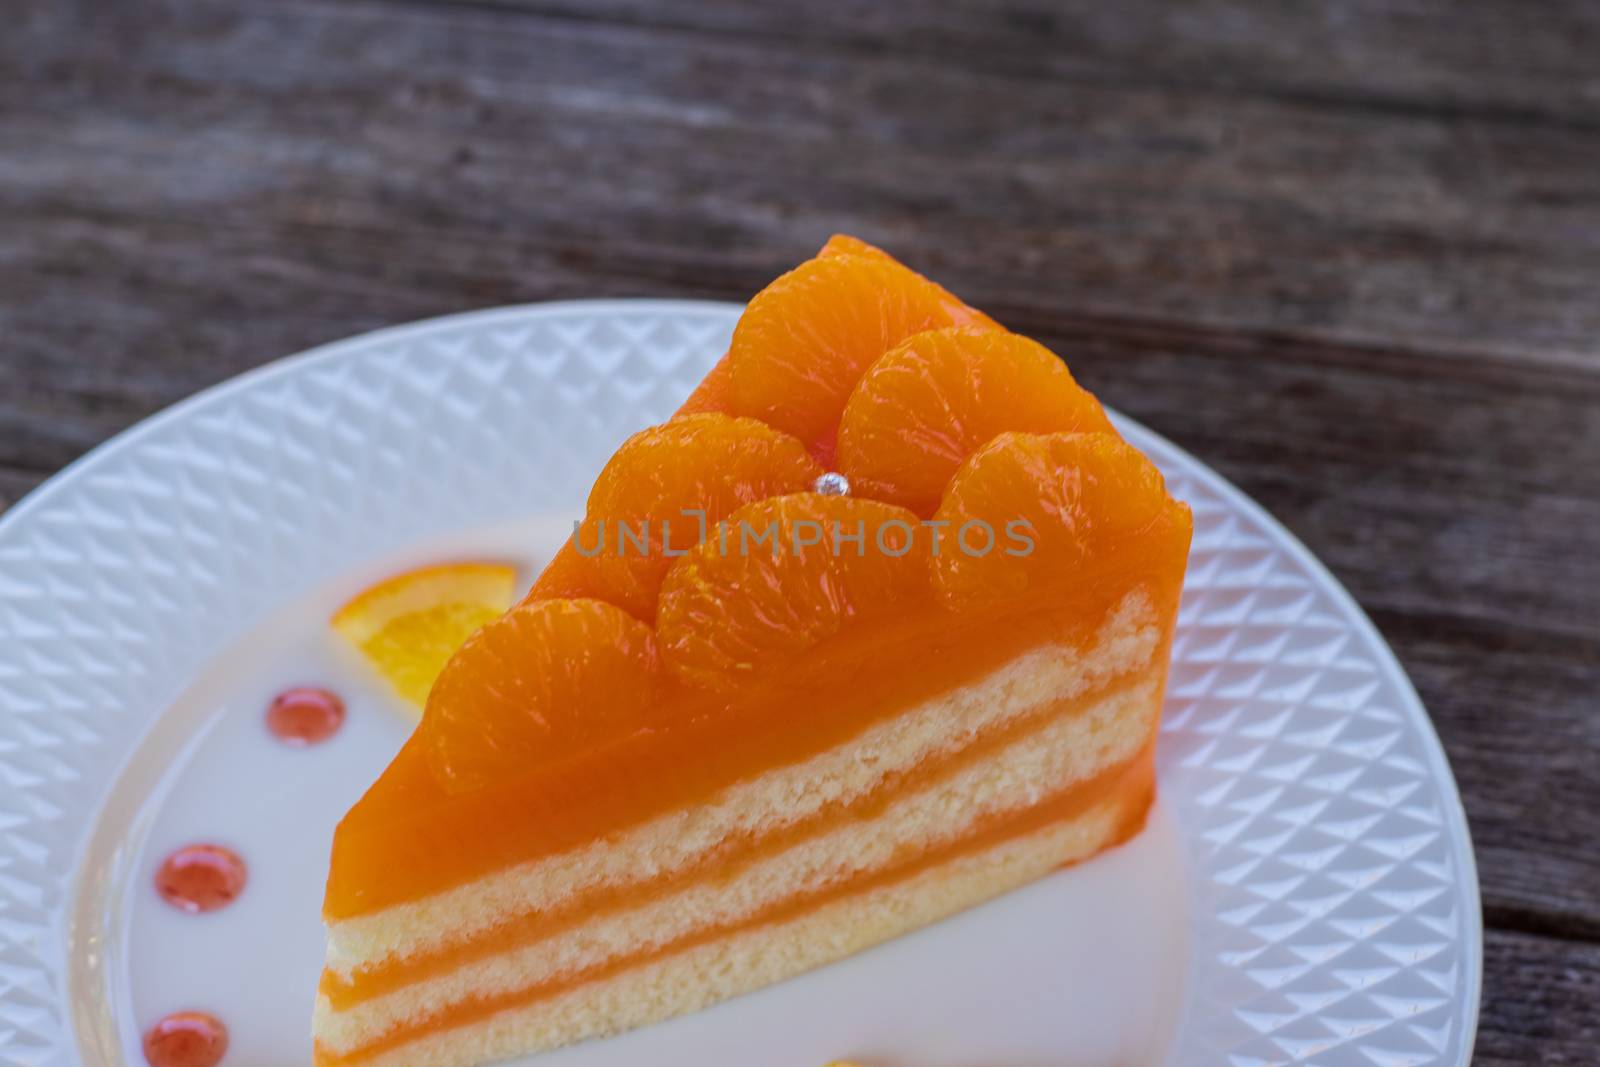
(408,838)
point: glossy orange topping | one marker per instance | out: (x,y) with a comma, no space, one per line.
(634,682)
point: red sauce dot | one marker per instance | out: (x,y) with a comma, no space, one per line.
(199,878)
(186,1039)
(305,715)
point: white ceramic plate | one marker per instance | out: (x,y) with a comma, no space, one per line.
(1305,892)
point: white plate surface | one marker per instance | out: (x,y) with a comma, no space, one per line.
(1305,892)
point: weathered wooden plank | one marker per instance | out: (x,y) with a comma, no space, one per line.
(1346,253)
(1132,197)
(15,484)
(1481,59)
(1539,1000)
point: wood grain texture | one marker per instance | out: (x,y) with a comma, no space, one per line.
(1539,1002)
(1346,253)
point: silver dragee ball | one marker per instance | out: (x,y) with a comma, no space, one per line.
(832,484)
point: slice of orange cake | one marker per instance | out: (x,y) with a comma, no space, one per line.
(874,630)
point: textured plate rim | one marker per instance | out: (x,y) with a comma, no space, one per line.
(328,351)
(1457,827)
(1438,762)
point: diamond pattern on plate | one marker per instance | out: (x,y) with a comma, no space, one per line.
(1325,833)
(1326,838)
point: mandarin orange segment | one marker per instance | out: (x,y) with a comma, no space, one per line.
(842,244)
(929,403)
(783,575)
(1044,504)
(714,391)
(544,680)
(636,525)
(568,576)
(805,340)
(712,394)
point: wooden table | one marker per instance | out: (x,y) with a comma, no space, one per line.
(1346,253)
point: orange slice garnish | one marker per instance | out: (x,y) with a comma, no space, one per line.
(408,626)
